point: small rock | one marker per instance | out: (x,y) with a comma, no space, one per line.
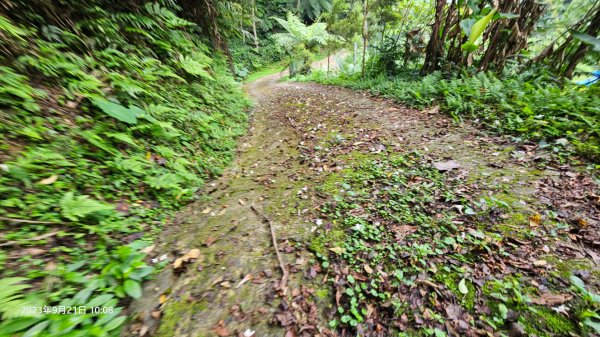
(446,165)
(515,330)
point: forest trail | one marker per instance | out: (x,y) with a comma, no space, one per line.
(300,135)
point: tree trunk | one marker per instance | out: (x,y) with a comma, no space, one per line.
(507,37)
(254,25)
(383,34)
(354,55)
(434,46)
(365,36)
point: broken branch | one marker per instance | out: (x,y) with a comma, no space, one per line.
(284,271)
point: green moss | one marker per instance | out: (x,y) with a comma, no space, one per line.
(542,321)
(322,293)
(320,243)
(516,225)
(566,268)
(175,313)
(451,280)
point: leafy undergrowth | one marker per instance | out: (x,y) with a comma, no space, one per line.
(407,254)
(523,104)
(109,125)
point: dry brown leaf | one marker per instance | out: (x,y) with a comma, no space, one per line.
(51,179)
(337,250)
(191,254)
(244,280)
(34,251)
(148,250)
(209,241)
(552,299)
(535,220)
(221,330)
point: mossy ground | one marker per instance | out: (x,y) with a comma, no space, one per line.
(292,166)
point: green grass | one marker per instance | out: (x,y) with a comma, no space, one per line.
(266,71)
(275,68)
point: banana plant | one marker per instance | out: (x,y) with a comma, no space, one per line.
(474,29)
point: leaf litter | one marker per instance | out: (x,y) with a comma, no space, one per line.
(404,241)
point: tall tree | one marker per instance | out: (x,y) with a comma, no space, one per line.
(434,47)
(365,35)
(254,24)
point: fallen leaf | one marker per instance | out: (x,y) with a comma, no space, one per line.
(51,179)
(552,299)
(209,241)
(337,250)
(368,269)
(221,330)
(535,220)
(34,251)
(206,210)
(191,254)
(462,287)
(540,263)
(244,280)
(143,331)
(148,250)
(162,299)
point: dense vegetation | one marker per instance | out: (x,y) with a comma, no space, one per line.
(112,117)
(115,113)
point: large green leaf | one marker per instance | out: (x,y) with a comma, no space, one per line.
(76,207)
(127,115)
(476,31)
(132,288)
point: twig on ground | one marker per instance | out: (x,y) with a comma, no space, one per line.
(35,238)
(29,221)
(284,271)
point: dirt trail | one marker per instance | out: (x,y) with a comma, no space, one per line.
(278,171)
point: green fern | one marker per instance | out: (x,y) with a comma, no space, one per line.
(12,303)
(194,67)
(77,207)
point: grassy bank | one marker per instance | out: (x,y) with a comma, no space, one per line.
(109,125)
